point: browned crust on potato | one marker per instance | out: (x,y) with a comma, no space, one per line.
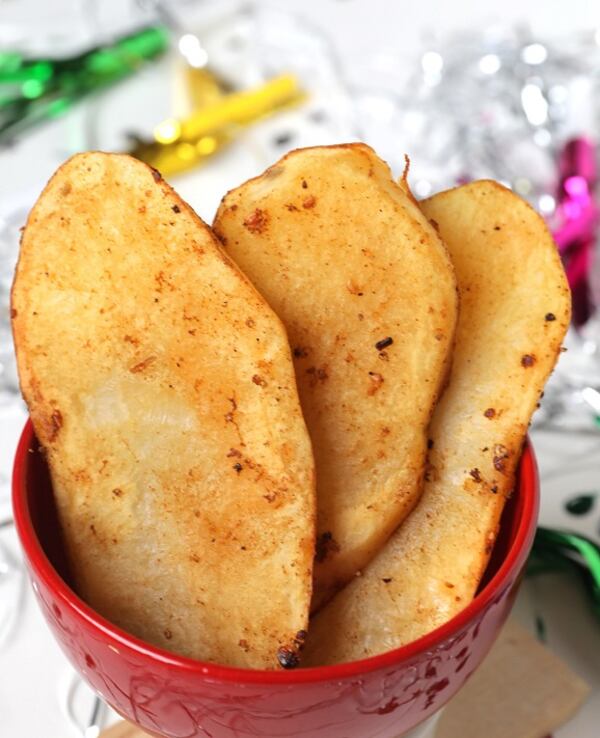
(510,279)
(137,342)
(367,293)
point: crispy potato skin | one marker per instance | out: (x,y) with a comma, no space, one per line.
(161,386)
(367,293)
(515,309)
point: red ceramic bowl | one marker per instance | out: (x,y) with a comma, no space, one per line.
(175,697)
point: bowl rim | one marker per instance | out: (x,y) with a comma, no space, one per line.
(527,479)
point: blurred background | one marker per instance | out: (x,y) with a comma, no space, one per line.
(211,93)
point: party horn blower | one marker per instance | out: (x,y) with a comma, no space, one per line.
(578,215)
(179,145)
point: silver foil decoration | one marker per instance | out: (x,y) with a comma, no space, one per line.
(497,103)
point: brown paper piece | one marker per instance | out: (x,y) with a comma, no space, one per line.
(521,690)
(123,730)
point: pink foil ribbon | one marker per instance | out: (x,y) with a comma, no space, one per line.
(576,221)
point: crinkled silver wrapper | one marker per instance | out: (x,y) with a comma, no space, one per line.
(500,103)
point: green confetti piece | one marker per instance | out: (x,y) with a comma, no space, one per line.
(582,504)
(540,628)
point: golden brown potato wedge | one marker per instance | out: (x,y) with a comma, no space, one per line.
(367,293)
(515,308)
(162,388)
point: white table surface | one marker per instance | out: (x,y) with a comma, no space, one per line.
(34,675)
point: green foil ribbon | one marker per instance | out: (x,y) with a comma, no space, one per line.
(562,551)
(34,90)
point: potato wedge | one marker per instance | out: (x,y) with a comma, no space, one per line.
(367,293)
(162,388)
(515,309)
